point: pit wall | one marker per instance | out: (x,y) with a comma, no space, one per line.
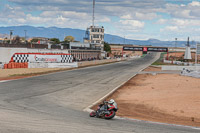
(7,53)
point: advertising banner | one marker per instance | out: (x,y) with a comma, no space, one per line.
(155,49)
(146,49)
(42,58)
(132,48)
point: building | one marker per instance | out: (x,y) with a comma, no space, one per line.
(1,40)
(84,51)
(4,40)
(40,40)
(85,54)
(79,44)
(95,36)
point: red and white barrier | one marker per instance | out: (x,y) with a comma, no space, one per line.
(35,60)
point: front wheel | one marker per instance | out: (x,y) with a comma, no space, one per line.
(111,115)
(93,114)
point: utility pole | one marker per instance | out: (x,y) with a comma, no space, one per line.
(25,35)
(11,33)
(93,18)
(175,47)
(196,56)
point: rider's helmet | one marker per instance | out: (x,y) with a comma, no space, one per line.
(111,101)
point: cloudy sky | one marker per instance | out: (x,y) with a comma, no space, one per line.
(134,19)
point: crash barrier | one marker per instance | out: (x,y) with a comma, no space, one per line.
(42,57)
(178,63)
(98,62)
(22,60)
(12,65)
(180,68)
(52,65)
(6,52)
(190,73)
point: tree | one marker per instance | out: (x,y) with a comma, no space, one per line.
(55,40)
(16,40)
(69,39)
(34,40)
(107,47)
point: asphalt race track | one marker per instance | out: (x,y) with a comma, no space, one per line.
(54,103)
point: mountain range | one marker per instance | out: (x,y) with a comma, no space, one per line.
(55,32)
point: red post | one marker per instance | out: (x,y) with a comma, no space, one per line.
(122,52)
(167,55)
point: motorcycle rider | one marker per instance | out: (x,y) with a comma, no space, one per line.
(103,109)
(112,102)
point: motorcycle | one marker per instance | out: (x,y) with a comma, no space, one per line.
(104,110)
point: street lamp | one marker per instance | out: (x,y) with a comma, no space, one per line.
(11,33)
(25,35)
(175,46)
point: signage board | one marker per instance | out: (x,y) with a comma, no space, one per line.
(133,48)
(146,49)
(44,58)
(157,49)
(39,57)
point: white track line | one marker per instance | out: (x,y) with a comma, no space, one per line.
(2,81)
(159,123)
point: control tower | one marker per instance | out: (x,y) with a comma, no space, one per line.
(94,34)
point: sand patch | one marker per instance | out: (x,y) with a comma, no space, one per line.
(168,98)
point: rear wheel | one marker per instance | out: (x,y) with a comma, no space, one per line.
(111,115)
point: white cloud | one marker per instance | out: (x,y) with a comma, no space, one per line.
(170,29)
(185,22)
(161,21)
(189,11)
(195,3)
(66,14)
(140,16)
(132,24)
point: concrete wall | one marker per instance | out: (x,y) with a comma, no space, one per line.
(179,63)
(52,65)
(197,68)
(71,65)
(97,62)
(7,53)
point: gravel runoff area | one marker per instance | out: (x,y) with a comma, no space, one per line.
(166,98)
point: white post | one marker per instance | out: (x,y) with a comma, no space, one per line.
(196,56)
